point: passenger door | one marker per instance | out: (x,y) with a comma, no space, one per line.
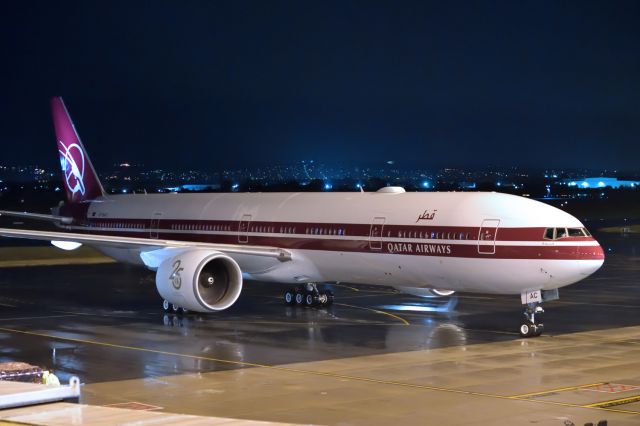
(487,236)
(375,233)
(243,229)
(154,227)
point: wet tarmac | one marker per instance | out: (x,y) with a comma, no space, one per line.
(104,324)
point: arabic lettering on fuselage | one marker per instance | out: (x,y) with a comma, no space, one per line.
(427,215)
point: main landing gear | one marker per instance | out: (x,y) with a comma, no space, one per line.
(532,325)
(172,308)
(308,295)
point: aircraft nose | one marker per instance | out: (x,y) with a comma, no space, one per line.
(590,259)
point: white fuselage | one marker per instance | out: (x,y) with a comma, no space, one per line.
(477,242)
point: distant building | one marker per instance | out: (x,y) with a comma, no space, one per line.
(467,185)
(195,187)
(602,182)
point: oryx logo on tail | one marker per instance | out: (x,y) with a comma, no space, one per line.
(72,163)
(80,179)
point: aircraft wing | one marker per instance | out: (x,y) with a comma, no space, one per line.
(38,216)
(144,243)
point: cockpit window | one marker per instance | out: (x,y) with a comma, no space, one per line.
(557,233)
(576,232)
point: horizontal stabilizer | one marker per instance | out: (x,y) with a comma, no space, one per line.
(38,216)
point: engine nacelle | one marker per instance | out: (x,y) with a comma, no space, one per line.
(200,280)
(424,292)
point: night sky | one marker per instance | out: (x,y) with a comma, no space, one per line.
(210,84)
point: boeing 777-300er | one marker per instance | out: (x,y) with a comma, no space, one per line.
(435,243)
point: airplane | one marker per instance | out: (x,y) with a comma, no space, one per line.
(203,245)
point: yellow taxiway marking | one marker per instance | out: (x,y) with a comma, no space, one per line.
(317,373)
(569,388)
(404,321)
(614,402)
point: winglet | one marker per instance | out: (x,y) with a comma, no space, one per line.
(79,177)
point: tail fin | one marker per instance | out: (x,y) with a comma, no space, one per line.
(80,178)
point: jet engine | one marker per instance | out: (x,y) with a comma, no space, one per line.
(200,280)
(425,292)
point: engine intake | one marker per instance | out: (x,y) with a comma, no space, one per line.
(200,280)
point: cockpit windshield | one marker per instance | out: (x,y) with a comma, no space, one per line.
(558,233)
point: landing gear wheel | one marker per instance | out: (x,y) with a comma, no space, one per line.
(290,297)
(299,299)
(526,330)
(176,309)
(330,298)
(323,299)
(310,300)
(166,306)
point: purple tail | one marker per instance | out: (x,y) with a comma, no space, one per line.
(79,177)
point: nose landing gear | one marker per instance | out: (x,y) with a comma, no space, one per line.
(308,295)
(532,325)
